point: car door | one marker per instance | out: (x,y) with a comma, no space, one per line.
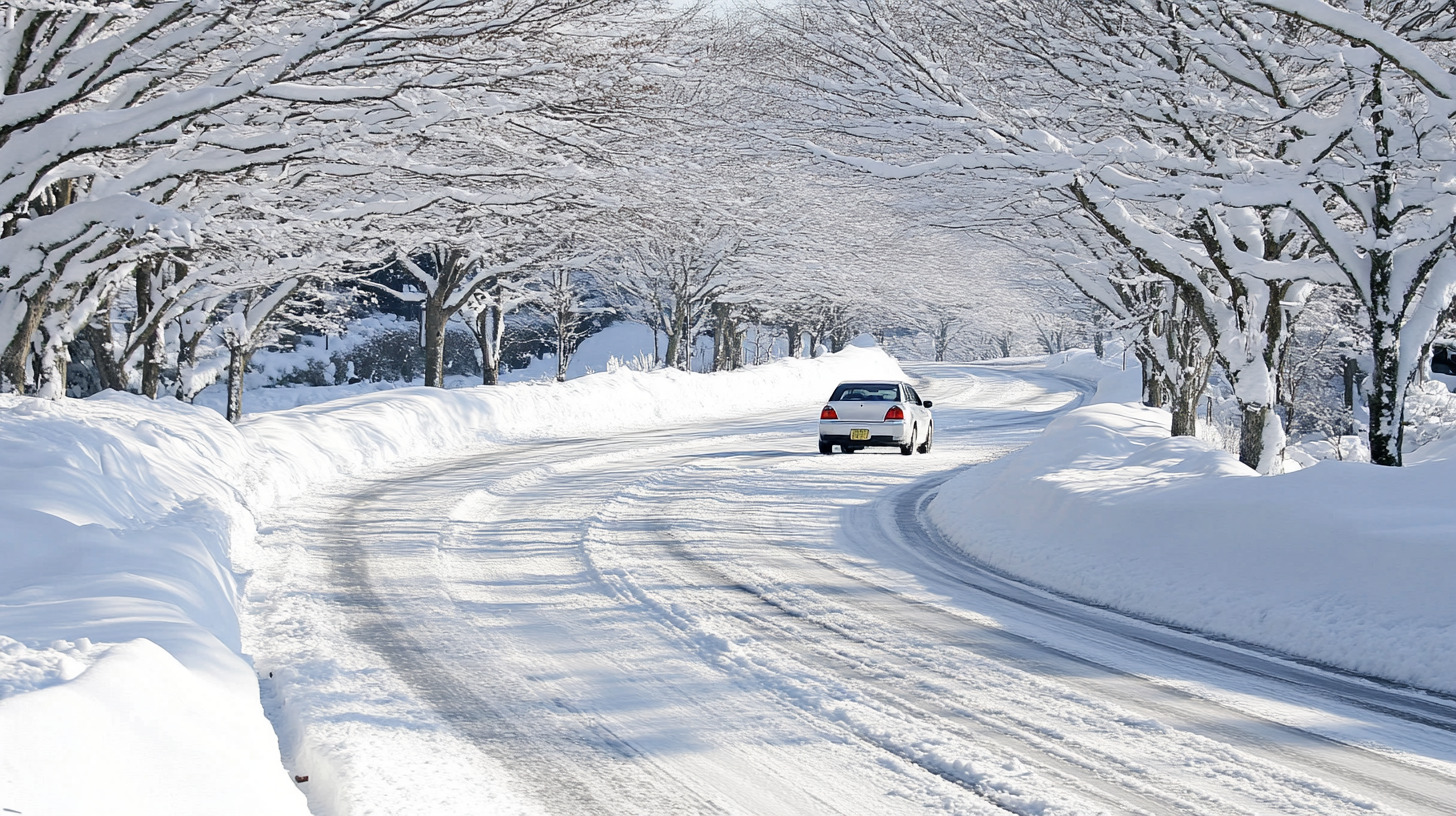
(922,414)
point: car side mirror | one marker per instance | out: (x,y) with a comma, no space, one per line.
(927,403)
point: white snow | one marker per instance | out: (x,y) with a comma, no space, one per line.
(122,688)
(129,528)
(1347,564)
(130,531)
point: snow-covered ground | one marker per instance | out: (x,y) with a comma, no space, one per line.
(643,592)
(1342,563)
(129,524)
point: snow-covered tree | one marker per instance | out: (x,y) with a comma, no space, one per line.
(109,112)
(1185,133)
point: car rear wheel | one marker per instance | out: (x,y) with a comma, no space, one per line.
(929,437)
(848,448)
(826,448)
(909,447)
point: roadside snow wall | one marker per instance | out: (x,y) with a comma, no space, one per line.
(1346,564)
(123,688)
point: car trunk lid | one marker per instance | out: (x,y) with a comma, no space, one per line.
(856,411)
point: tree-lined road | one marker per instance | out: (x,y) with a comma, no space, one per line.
(717,619)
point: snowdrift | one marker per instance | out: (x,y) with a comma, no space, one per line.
(119,639)
(122,688)
(1346,564)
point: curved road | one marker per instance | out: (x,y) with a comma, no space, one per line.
(719,620)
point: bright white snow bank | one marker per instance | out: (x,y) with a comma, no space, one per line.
(1348,564)
(357,435)
(123,687)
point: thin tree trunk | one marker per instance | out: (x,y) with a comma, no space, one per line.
(564,326)
(236,369)
(490,330)
(674,342)
(1387,382)
(152,352)
(796,341)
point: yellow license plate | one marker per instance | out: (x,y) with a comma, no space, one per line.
(859,434)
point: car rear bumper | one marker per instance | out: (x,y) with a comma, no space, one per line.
(882,434)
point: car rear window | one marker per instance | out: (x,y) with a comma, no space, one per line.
(866,392)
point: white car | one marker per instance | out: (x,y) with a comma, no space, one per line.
(875,414)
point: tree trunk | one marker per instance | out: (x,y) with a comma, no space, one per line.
(15,361)
(435,320)
(724,352)
(1184,408)
(796,341)
(153,355)
(1154,378)
(563,349)
(145,276)
(1259,424)
(237,366)
(1350,373)
(186,365)
(1386,397)
(50,366)
(108,370)
(675,343)
(489,331)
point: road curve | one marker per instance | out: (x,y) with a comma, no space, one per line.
(718,620)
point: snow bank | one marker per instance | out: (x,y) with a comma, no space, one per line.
(1348,564)
(119,638)
(358,435)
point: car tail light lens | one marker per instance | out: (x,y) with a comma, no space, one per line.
(828,413)
(894,413)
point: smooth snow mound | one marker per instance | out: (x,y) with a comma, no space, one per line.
(1347,564)
(121,686)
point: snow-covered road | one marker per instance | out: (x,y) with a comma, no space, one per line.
(717,619)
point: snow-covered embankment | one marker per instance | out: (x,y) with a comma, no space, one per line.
(1347,564)
(123,687)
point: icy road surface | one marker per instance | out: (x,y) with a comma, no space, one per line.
(717,619)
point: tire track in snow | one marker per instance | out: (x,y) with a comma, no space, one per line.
(1383,769)
(569,776)
(907,689)
(912,705)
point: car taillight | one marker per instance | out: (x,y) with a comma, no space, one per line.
(894,413)
(828,413)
